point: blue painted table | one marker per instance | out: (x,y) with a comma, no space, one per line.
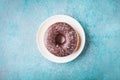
(19,55)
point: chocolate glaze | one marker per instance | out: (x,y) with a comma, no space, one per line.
(60,39)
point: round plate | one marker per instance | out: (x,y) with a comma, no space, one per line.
(44,26)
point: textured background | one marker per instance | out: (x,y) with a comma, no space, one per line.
(19,55)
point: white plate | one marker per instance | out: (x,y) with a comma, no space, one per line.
(44,26)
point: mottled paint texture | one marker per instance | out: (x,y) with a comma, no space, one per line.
(20,58)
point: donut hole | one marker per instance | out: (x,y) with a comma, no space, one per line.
(60,39)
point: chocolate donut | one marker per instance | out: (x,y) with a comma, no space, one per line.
(60,39)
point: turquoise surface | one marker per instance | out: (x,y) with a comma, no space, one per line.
(20,58)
